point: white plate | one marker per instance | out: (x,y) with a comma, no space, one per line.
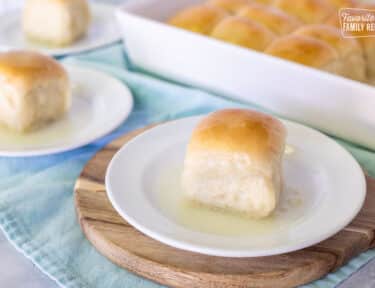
(100,104)
(102,31)
(325,190)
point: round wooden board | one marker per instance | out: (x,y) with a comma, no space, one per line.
(134,251)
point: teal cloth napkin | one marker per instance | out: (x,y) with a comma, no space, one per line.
(36,194)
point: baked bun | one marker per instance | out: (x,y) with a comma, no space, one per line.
(34,89)
(368,45)
(55,22)
(307,11)
(234,161)
(243,32)
(265,2)
(200,18)
(349,50)
(343,3)
(231,6)
(303,31)
(274,19)
(334,19)
(307,51)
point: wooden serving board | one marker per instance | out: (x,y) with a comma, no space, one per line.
(134,251)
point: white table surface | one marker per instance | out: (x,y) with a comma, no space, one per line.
(17,271)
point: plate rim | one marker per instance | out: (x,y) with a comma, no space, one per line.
(88,140)
(67,50)
(242,253)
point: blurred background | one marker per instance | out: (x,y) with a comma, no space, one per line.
(7,5)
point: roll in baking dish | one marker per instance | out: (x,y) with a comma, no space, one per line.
(200,18)
(243,32)
(351,57)
(303,31)
(275,20)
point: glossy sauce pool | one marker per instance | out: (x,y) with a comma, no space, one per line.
(220,222)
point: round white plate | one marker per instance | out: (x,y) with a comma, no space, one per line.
(100,103)
(102,31)
(325,189)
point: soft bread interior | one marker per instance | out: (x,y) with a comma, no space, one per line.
(24,109)
(232,181)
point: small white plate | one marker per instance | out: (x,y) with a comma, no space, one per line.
(100,103)
(102,31)
(325,189)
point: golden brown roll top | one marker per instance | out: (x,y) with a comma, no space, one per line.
(34,90)
(234,161)
(265,2)
(26,67)
(308,11)
(368,45)
(243,32)
(343,3)
(331,35)
(350,52)
(240,131)
(334,19)
(200,18)
(256,26)
(307,51)
(231,6)
(274,19)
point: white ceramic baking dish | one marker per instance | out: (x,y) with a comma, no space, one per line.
(334,104)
